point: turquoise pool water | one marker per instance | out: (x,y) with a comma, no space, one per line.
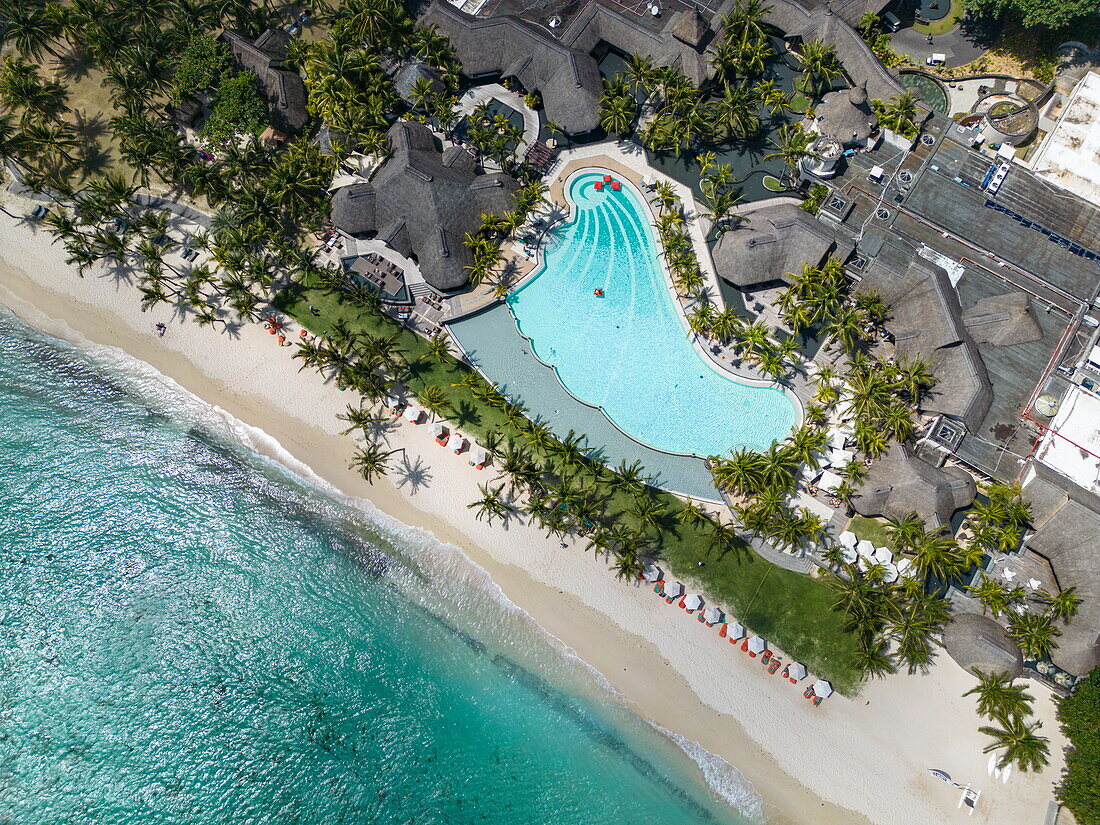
(627,352)
(192,635)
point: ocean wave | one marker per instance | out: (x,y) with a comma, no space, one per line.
(468,591)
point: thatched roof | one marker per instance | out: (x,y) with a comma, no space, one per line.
(283,88)
(568,80)
(1002,320)
(926,321)
(773,242)
(846,115)
(1067,522)
(900,483)
(680,43)
(405,78)
(422,203)
(976,641)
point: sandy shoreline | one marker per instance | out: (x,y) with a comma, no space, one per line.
(848,761)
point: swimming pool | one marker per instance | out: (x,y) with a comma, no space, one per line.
(627,352)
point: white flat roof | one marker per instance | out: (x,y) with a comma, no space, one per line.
(1073,446)
(1070,155)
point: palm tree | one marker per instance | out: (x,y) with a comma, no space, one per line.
(998,697)
(1062,606)
(438,347)
(937,556)
(359,418)
(741,473)
(648,510)
(491,504)
(433,398)
(1033,633)
(617,113)
(1019,742)
(791,145)
(371,461)
(995,595)
(899,113)
(819,65)
(872,658)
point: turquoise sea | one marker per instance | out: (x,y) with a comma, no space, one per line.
(191,634)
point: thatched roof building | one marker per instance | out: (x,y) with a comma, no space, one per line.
(1066,518)
(847,116)
(1002,320)
(976,641)
(283,89)
(568,80)
(423,202)
(773,242)
(406,78)
(900,483)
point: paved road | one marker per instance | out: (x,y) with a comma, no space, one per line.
(966,42)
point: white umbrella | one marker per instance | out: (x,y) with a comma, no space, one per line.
(437,429)
(735,630)
(693,602)
(796,671)
(478,456)
(849,555)
(712,615)
(890,573)
(865,548)
(757,644)
(905,567)
(822,688)
(838,439)
(392,401)
(883,555)
(674,590)
(456,442)
(848,539)
(829,480)
(864,562)
(839,457)
(413,414)
(652,574)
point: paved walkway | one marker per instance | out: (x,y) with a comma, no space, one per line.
(494,91)
(965,43)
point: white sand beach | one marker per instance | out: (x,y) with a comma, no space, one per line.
(848,761)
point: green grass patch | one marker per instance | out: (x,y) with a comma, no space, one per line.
(872,529)
(944,24)
(773,184)
(788,609)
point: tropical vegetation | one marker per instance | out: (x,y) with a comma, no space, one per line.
(1079,714)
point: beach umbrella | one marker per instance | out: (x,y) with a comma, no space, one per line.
(905,567)
(456,442)
(674,590)
(437,429)
(392,401)
(883,555)
(849,555)
(757,644)
(413,414)
(839,457)
(863,562)
(712,615)
(479,455)
(848,539)
(865,548)
(652,574)
(796,671)
(838,439)
(829,480)
(822,688)
(693,602)
(891,573)
(734,631)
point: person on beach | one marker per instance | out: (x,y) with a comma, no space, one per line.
(161,329)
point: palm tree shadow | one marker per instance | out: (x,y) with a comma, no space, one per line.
(90,127)
(94,161)
(74,66)
(414,473)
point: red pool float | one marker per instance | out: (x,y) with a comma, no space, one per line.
(615,185)
(607,178)
(598,293)
(599,186)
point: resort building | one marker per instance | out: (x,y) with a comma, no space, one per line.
(1070,154)
(899,483)
(283,89)
(422,202)
(847,117)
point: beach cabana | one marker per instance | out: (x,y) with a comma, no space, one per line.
(883,555)
(456,443)
(732,631)
(865,548)
(755,645)
(712,616)
(848,539)
(796,672)
(693,602)
(413,414)
(439,433)
(822,688)
(673,591)
(652,574)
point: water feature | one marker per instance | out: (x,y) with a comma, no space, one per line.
(626,351)
(927,89)
(192,634)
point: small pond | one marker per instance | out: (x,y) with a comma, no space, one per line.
(929,90)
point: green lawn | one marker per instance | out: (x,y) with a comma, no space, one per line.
(944,24)
(788,609)
(871,529)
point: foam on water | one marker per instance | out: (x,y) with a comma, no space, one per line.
(458,595)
